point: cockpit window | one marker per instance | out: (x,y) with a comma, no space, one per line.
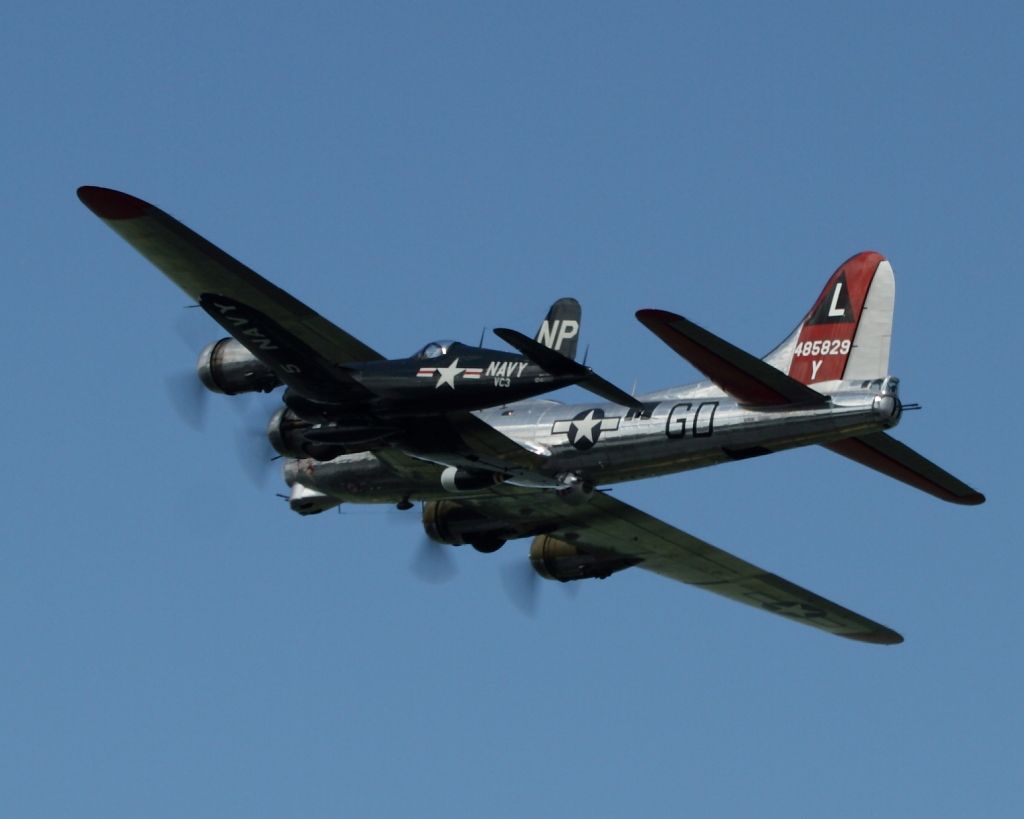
(435,349)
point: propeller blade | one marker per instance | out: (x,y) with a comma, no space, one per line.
(188,397)
(434,562)
(255,459)
(255,453)
(522,585)
(187,393)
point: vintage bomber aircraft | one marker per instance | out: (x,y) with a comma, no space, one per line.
(531,468)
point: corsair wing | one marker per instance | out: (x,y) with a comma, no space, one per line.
(463,439)
(304,348)
(557,364)
(609,525)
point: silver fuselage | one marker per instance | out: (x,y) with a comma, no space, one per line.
(680,429)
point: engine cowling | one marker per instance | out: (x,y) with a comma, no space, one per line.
(449,521)
(226,367)
(294,437)
(286,432)
(555,559)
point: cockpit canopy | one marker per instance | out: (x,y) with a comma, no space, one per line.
(435,349)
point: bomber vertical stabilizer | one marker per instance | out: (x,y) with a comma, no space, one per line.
(846,334)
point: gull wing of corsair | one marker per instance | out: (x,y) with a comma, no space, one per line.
(356,396)
(463,430)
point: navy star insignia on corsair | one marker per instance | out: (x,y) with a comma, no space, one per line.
(447,375)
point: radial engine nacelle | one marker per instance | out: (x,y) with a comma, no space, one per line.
(295,437)
(457,523)
(226,367)
(287,434)
(449,521)
(554,559)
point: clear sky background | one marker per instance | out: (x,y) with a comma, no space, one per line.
(175,642)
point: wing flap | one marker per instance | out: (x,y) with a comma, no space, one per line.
(888,456)
(749,379)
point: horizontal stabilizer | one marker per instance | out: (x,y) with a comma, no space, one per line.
(890,457)
(747,378)
(558,364)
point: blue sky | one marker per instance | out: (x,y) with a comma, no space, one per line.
(176,642)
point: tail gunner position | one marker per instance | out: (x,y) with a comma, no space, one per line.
(459,428)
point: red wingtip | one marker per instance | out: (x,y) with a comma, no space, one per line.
(111,204)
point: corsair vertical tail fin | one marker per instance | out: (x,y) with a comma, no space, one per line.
(560,329)
(846,334)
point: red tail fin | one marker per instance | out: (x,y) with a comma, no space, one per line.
(846,334)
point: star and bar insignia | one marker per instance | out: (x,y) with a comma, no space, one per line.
(585,428)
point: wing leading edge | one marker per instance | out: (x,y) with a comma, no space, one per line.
(270,323)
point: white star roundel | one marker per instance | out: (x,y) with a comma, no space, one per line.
(585,428)
(446,375)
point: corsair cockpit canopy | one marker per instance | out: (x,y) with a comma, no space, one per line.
(435,349)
